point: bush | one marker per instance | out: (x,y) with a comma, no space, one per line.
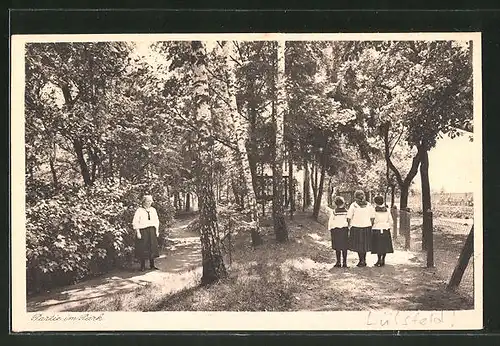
(83,232)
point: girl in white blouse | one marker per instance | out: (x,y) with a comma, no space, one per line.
(146,225)
(381,231)
(337,224)
(360,218)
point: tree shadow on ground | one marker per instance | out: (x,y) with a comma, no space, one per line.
(406,285)
(185,256)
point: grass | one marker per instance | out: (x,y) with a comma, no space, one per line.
(296,276)
(268,291)
(448,241)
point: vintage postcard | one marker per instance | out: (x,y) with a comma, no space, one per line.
(246,182)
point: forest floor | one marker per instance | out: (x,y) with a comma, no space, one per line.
(298,275)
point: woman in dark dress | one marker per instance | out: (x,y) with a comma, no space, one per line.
(146,225)
(381,232)
(337,224)
(360,218)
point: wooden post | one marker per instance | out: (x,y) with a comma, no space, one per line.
(463,261)
(394,214)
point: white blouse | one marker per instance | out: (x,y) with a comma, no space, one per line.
(361,216)
(338,220)
(383,220)
(141,219)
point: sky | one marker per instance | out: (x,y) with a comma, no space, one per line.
(452,165)
(451,161)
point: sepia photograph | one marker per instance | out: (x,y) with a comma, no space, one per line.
(246,181)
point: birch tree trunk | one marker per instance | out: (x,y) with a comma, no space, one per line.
(213,264)
(241,135)
(280,227)
(291,185)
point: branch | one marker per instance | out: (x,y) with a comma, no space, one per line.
(414,167)
(222,97)
(385,129)
(196,129)
(235,43)
(468,129)
(397,141)
(259,89)
(260,108)
(230,56)
(215,76)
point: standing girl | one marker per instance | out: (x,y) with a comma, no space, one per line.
(360,218)
(146,224)
(381,233)
(337,224)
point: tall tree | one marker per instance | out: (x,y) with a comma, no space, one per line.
(441,103)
(280,227)
(306,193)
(241,134)
(213,264)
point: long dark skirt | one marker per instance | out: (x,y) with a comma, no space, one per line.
(340,238)
(382,242)
(147,246)
(360,239)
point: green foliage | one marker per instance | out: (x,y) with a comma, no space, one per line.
(84,231)
(98,107)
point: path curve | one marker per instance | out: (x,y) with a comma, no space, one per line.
(179,264)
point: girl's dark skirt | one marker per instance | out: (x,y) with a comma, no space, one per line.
(360,239)
(340,238)
(147,246)
(382,242)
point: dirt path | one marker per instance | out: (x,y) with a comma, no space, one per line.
(179,265)
(403,284)
(307,260)
(301,273)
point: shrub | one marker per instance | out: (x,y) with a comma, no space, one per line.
(83,232)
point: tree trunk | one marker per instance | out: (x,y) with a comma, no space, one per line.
(175,201)
(252,126)
(404,184)
(84,169)
(213,264)
(93,170)
(243,159)
(317,201)
(291,186)
(110,153)
(52,158)
(285,190)
(188,202)
(393,194)
(426,200)
(236,192)
(54,174)
(280,227)
(403,199)
(463,261)
(314,181)
(330,192)
(306,203)
(31,172)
